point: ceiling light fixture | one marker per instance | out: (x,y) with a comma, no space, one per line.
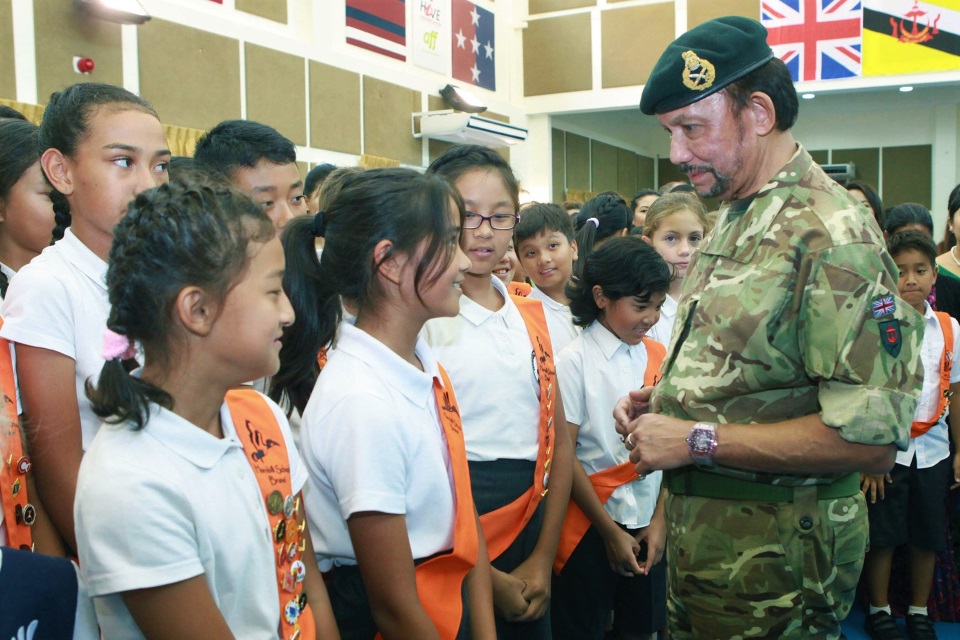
(906,89)
(808,96)
(122,11)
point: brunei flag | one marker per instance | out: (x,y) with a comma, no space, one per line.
(909,36)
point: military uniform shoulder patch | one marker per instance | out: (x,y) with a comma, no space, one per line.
(891,337)
(883,306)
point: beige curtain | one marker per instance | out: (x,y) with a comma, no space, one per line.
(376,162)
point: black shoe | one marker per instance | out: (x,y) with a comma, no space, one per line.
(882,626)
(920,627)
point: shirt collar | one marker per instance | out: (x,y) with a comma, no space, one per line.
(80,256)
(7,271)
(929,313)
(477,314)
(609,343)
(547,301)
(415,385)
(189,441)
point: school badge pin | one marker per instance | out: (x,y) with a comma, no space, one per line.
(698,73)
(891,337)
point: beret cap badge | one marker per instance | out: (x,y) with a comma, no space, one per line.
(698,73)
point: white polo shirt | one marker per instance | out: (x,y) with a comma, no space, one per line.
(372,441)
(491,362)
(594,371)
(934,445)
(59,302)
(663,330)
(559,320)
(170,502)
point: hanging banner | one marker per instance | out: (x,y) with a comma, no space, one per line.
(906,36)
(473,45)
(431,35)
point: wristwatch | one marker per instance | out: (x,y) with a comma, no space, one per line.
(703,443)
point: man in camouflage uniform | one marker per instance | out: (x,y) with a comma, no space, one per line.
(793,364)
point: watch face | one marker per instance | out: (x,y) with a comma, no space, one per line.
(700,440)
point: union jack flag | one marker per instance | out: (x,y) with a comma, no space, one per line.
(883,306)
(816,39)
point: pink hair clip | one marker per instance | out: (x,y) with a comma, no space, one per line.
(117,346)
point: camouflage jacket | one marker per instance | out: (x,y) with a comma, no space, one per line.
(777,320)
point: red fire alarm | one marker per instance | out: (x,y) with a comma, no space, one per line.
(83,65)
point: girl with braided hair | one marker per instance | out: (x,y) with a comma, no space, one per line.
(100,146)
(191,468)
(602,217)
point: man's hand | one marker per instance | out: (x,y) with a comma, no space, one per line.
(658,442)
(630,407)
(871,485)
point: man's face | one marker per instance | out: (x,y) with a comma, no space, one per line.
(711,146)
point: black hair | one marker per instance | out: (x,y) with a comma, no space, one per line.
(953,205)
(236,144)
(913,240)
(682,188)
(542,218)
(626,267)
(907,214)
(176,235)
(11,113)
(315,178)
(64,126)
(400,205)
(772,78)
(18,152)
(462,158)
(873,199)
(600,217)
(642,193)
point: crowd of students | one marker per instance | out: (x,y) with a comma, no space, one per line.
(433,455)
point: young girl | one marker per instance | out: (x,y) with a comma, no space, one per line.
(602,217)
(499,356)
(180,487)
(613,512)
(26,213)
(389,501)
(101,146)
(675,226)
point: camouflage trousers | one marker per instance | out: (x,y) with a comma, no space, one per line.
(741,569)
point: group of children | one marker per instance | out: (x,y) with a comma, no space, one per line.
(457,472)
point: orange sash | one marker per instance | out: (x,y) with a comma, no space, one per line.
(575,522)
(322,357)
(18,513)
(267,453)
(519,289)
(918,428)
(501,527)
(440,579)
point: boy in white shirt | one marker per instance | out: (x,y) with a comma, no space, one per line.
(544,241)
(908,505)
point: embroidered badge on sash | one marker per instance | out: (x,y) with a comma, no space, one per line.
(891,337)
(883,306)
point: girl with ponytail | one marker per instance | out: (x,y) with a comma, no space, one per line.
(600,218)
(100,146)
(190,470)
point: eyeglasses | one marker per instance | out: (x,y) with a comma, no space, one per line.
(500,221)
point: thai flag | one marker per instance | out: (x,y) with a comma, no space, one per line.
(473,45)
(379,26)
(816,39)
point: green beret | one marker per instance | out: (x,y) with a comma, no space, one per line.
(704,60)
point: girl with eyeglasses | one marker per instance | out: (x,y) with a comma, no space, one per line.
(499,356)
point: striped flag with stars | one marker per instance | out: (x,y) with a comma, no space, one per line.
(473,45)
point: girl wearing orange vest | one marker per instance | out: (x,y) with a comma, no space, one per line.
(188,511)
(500,358)
(614,532)
(389,502)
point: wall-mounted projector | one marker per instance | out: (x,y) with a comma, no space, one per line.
(459,127)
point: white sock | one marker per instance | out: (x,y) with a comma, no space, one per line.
(917,611)
(874,609)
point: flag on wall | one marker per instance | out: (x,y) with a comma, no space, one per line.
(907,36)
(473,45)
(816,39)
(379,26)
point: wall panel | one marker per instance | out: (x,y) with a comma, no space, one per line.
(907,175)
(386,121)
(578,162)
(627,58)
(603,167)
(334,109)
(276,94)
(8,75)
(547,41)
